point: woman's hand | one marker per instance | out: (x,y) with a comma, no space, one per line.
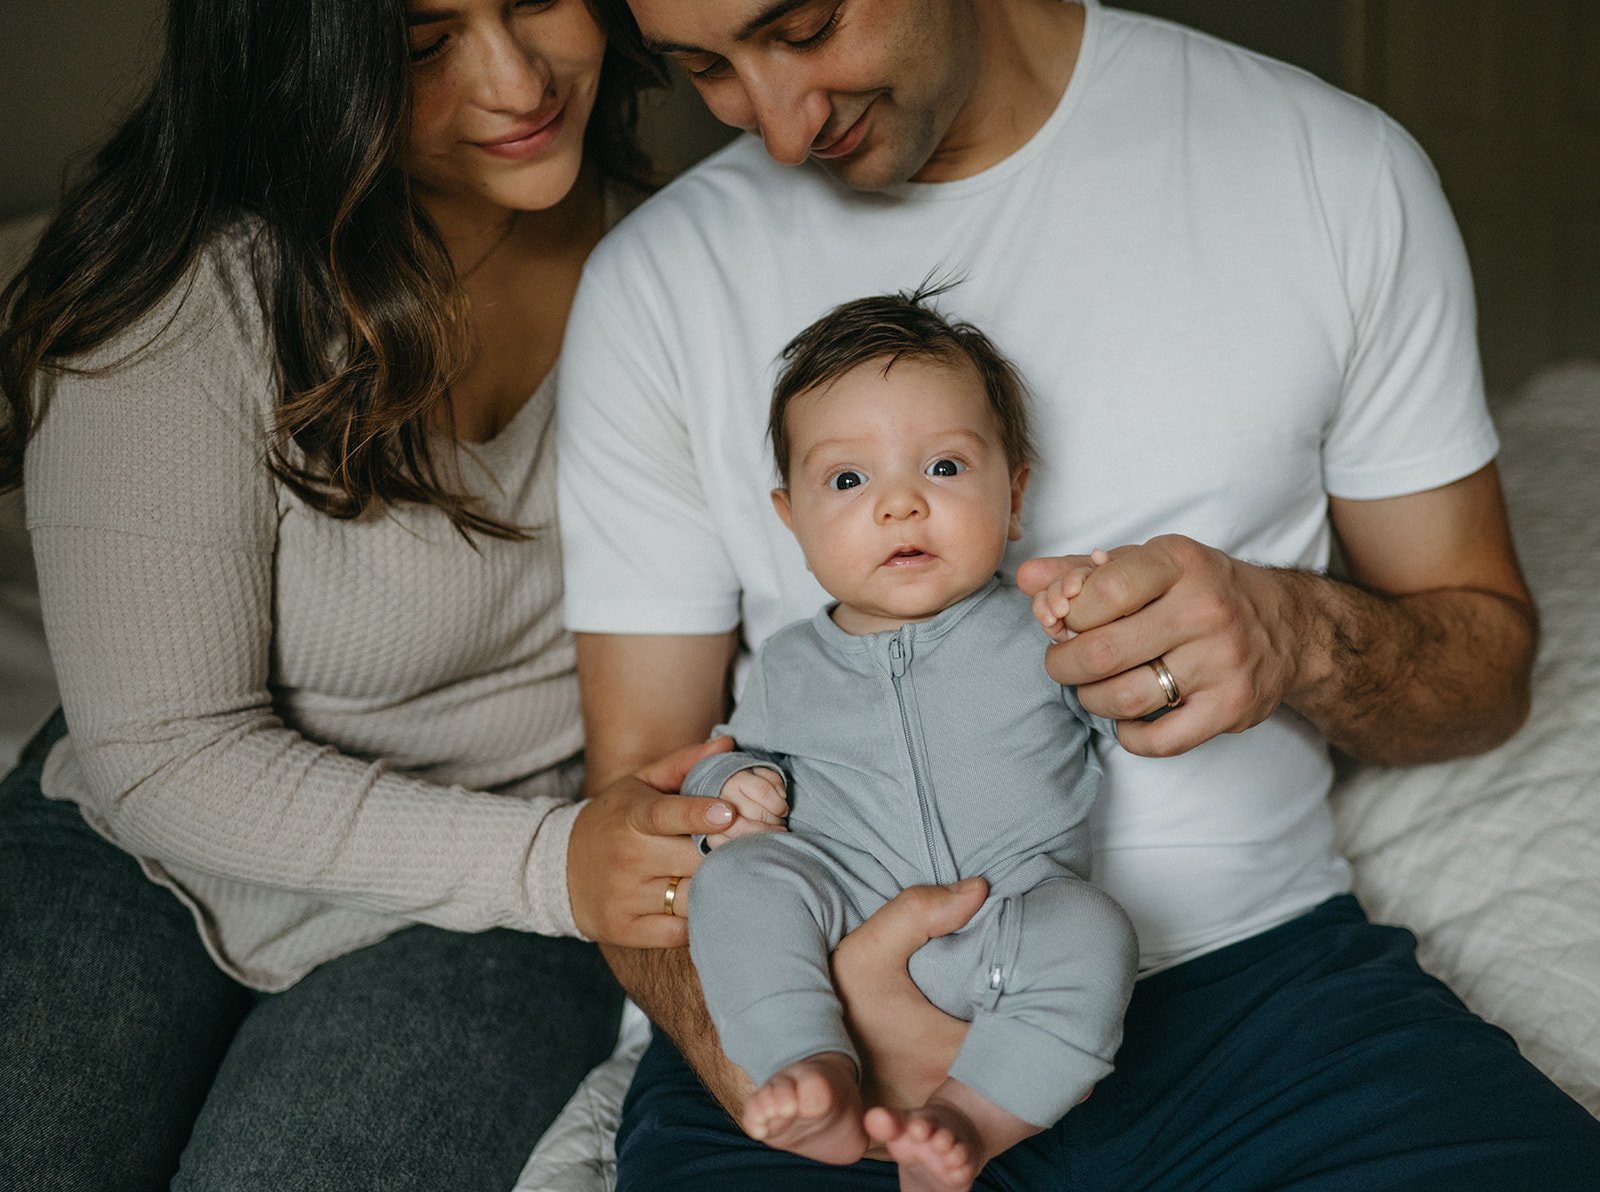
(630,844)
(906,1044)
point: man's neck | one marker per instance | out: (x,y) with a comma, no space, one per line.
(1028,50)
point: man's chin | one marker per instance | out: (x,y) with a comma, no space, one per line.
(865,172)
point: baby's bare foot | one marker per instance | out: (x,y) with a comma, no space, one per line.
(936,1146)
(810,1108)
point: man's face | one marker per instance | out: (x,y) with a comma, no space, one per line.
(869,88)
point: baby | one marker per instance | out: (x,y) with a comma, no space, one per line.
(909,734)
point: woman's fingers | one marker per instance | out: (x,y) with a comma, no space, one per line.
(679,815)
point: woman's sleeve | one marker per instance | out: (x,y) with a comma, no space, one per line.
(154,523)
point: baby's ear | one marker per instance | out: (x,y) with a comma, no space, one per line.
(1019,485)
(780,502)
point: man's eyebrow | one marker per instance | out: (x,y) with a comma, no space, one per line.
(772,13)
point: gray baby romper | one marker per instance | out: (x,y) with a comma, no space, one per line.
(926,754)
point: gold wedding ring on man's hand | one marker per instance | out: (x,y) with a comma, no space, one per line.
(1169,685)
(670,899)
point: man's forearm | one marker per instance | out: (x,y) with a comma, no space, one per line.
(664,984)
(1402,680)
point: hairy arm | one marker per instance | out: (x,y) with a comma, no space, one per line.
(1425,654)
(644,695)
(1431,655)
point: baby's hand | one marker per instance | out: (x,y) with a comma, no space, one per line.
(1051,604)
(758,796)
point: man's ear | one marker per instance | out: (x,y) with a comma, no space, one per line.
(1019,484)
(780,502)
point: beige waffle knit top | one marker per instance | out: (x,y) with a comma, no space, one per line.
(314,732)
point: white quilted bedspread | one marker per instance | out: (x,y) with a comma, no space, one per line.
(1495,861)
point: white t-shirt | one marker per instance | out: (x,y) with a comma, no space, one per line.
(1233,291)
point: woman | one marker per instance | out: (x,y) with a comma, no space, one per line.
(291,502)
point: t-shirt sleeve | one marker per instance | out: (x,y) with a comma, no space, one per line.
(1411,413)
(641,550)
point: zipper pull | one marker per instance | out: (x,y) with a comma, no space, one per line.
(897,655)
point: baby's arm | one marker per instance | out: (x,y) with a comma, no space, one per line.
(757,794)
(1051,604)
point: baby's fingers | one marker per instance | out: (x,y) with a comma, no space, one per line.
(767,788)
(1050,609)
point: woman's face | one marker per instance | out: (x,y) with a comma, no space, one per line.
(502,91)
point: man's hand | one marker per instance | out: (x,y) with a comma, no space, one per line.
(758,796)
(1425,656)
(1228,632)
(630,841)
(906,1045)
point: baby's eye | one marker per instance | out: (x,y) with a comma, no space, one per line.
(846,479)
(946,467)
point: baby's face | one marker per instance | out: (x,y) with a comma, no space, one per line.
(899,491)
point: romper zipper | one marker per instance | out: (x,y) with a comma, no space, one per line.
(897,669)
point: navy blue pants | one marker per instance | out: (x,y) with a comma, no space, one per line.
(1317,1055)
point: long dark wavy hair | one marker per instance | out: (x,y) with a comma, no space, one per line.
(293,114)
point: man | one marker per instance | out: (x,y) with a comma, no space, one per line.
(1246,318)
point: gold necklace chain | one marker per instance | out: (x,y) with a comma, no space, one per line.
(511,226)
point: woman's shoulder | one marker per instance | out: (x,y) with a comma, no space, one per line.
(212,314)
(181,398)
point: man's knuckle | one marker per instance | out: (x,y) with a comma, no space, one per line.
(1116,589)
(1099,655)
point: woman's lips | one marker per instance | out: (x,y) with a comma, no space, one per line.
(527,141)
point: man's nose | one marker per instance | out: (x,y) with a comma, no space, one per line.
(789,114)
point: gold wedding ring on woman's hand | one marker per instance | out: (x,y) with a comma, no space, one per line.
(670,899)
(1169,685)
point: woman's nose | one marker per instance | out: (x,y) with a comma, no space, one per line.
(514,77)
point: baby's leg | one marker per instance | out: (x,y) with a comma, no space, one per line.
(942,1146)
(765,915)
(812,1107)
(1053,982)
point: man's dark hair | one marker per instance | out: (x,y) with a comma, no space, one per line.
(890,327)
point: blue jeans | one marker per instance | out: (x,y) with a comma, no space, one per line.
(431,1060)
(1315,1056)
